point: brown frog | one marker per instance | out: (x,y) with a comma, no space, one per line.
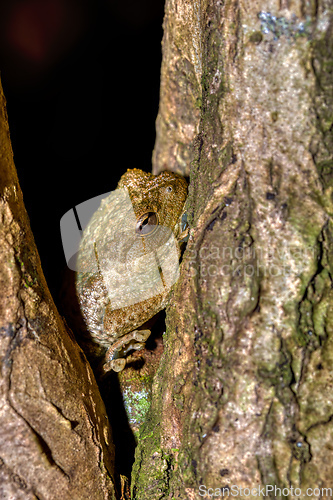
(128,261)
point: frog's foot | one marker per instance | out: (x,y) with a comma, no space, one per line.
(115,356)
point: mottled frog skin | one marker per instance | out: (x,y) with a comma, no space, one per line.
(127,235)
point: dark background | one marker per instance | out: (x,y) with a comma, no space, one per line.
(81,79)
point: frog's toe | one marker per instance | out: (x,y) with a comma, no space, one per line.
(141,335)
(117,365)
(137,346)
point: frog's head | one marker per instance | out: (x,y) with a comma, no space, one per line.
(157,199)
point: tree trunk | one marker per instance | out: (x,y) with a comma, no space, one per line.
(55,440)
(243,394)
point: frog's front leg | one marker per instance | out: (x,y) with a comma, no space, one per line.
(183,229)
(114,358)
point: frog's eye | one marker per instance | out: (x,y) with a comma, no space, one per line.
(146,223)
(169,189)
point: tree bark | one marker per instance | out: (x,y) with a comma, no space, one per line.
(243,394)
(55,440)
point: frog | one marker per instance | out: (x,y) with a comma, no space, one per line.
(127,262)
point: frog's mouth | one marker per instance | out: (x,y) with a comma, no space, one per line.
(147,224)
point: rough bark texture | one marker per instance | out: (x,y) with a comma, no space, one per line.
(55,441)
(243,394)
